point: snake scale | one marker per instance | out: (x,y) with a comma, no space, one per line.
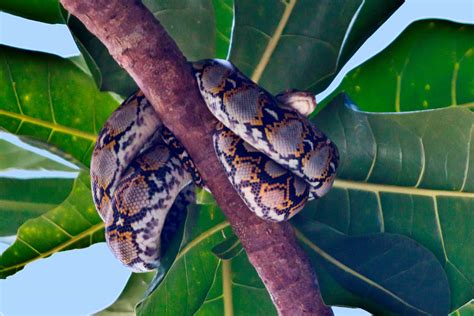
(275,158)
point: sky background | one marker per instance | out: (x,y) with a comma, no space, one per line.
(81,282)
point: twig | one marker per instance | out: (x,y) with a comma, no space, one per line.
(138,42)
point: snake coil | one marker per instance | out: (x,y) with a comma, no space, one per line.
(275,158)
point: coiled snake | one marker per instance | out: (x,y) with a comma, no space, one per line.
(275,158)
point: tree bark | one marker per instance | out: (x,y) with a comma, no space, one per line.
(138,42)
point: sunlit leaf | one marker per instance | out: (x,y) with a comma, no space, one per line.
(51,99)
(22,199)
(15,156)
(430,65)
(73,224)
(22,195)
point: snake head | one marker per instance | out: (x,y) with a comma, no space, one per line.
(302,102)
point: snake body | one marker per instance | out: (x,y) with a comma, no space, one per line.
(274,156)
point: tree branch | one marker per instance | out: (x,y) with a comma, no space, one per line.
(138,42)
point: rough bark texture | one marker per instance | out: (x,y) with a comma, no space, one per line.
(142,47)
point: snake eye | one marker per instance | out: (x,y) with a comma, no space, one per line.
(231,82)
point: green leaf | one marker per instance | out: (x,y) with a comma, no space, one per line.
(428,66)
(22,199)
(369,18)
(18,157)
(224,15)
(391,270)
(73,224)
(48,11)
(409,173)
(191,23)
(236,290)
(466,310)
(301,44)
(52,100)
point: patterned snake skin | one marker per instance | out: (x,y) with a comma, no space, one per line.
(273,155)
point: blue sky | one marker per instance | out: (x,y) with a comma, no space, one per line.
(84,281)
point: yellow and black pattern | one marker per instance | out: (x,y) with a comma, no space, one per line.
(272,192)
(272,127)
(275,158)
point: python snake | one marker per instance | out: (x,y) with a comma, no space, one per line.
(275,158)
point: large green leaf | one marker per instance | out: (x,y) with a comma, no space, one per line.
(390,273)
(410,173)
(22,199)
(236,290)
(52,100)
(232,286)
(301,44)
(430,65)
(15,156)
(48,11)
(73,224)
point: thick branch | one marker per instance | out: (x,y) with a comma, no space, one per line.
(142,47)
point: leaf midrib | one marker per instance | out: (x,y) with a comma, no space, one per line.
(91,230)
(433,194)
(21,205)
(227,288)
(52,126)
(211,231)
(388,188)
(272,43)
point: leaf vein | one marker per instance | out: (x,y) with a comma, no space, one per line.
(49,220)
(262,64)
(348,270)
(18,238)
